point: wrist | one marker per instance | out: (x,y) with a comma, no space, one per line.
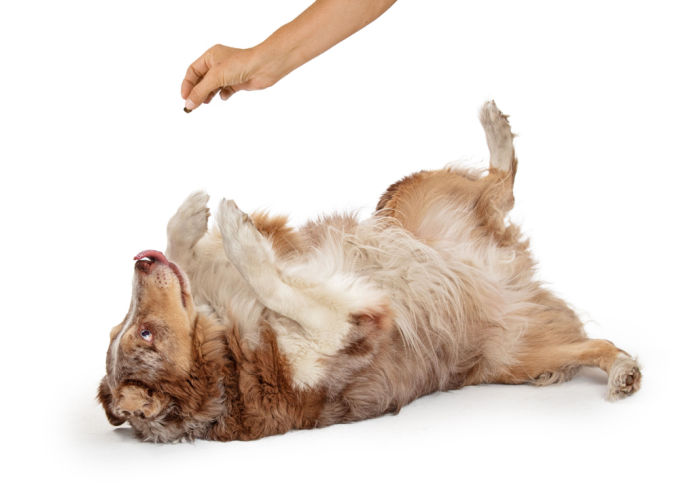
(274,58)
(267,66)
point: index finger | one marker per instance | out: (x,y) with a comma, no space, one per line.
(194,74)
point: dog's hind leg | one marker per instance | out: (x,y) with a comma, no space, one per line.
(543,363)
(499,138)
(187,226)
(424,202)
(503,164)
(553,346)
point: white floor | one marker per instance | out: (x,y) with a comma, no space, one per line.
(96,154)
(560,441)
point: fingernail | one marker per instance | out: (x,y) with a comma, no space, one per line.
(189,105)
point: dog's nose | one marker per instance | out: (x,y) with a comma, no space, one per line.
(144,265)
(152,255)
(146,259)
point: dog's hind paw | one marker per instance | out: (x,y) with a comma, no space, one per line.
(624,379)
(498,136)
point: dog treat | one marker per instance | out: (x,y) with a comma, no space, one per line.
(187,110)
(257,328)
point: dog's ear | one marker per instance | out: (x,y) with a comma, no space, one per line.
(104,396)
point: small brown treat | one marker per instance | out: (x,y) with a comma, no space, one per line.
(187,110)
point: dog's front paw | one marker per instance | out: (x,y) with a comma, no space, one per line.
(235,225)
(230,218)
(245,247)
(189,223)
(624,379)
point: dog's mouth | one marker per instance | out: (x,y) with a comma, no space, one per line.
(148,259)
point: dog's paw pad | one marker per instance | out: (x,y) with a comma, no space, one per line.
(624,379)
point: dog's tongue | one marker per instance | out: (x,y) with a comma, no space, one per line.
(154,255)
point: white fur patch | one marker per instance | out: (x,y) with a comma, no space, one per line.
(114,347)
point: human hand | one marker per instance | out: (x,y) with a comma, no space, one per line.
(225,70)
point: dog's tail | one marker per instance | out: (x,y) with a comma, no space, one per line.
(499,138)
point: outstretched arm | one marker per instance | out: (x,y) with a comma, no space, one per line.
(318,28)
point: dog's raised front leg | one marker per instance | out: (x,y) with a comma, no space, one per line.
(187,226)
(255,259)
(332,312)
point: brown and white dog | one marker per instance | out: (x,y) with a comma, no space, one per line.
(260,328)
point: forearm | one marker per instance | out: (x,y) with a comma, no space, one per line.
(228,69)
(318,28)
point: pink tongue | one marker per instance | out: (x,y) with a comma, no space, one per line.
(153,255)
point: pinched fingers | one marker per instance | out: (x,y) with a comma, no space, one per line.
(204,77)
(219,69)
(206,88)
(195,73)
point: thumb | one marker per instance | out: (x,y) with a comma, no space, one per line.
(210,83)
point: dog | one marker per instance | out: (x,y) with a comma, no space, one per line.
(254,328)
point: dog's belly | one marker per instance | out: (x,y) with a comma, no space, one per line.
(457,307)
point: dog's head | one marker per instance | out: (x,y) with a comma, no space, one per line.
(153,347)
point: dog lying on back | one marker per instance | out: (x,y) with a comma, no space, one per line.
(260,328)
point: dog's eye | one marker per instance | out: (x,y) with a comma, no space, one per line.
(146,335)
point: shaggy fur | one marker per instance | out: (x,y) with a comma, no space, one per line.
(260,328)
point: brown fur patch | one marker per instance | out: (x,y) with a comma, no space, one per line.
(285,240)
(268,404)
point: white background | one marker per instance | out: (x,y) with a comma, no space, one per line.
(96,154)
